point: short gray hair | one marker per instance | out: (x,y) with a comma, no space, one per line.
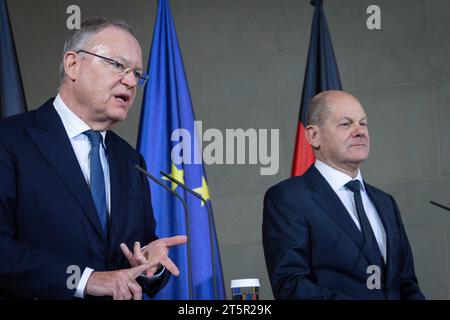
(318,110)
(89,28)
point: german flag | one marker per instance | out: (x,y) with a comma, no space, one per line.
(321,74)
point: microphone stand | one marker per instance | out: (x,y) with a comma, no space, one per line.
(440,205)
(210,221)
(188,229)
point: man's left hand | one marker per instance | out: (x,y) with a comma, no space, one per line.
(155,253)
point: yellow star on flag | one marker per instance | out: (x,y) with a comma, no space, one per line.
(177,174)
(203,190)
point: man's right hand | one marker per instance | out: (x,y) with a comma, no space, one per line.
(120,284)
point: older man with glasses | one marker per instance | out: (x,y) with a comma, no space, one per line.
(73,210)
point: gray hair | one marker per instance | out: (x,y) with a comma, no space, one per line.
(318,110)
(89,28)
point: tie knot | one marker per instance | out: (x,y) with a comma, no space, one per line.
(95,137)
(354,185)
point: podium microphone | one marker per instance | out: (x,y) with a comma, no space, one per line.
(210,221)
(188,229)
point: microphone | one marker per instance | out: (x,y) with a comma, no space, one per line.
(188,229)
(440,205)
(210,222)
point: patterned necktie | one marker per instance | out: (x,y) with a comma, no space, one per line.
(369,237)
(97,181)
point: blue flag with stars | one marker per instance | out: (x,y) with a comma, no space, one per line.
(167,109)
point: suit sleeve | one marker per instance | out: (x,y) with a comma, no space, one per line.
(287,250)
(150,285)
(409,288)
(24,272)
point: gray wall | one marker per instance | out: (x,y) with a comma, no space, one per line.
(245,61)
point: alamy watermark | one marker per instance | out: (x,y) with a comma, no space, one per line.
(74,277)
(74,20)
(374,20)
(374,280)
(235,146)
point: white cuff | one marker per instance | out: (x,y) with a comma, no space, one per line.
(159,274)
(155,276)
(79,292)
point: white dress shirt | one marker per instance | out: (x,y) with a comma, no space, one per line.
(81,146)
(337,180)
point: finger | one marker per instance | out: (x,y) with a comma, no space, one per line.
(128,254)
(150,272)
(125,291)
(166,262)
(135,289)
(138,253)
(116,294)
(137,247)
(136,271)
(174,241)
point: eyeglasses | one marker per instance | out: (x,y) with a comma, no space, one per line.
(120,69)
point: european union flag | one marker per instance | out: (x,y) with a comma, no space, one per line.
(167,108)
(12,98)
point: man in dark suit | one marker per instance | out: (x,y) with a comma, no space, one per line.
(328,234)
(71,201)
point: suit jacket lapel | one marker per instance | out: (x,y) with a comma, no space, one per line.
(118,169)
(328,200)
(380,206)
(50,137)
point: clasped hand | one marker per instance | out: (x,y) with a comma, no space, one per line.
(122,284)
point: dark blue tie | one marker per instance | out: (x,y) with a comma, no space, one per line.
(369,237)
(97,181)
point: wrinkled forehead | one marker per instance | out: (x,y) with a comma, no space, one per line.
(117,43)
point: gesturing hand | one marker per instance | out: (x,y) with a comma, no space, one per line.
(155,253)
(120,284)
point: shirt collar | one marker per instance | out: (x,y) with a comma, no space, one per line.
(72,123)
(337,179)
